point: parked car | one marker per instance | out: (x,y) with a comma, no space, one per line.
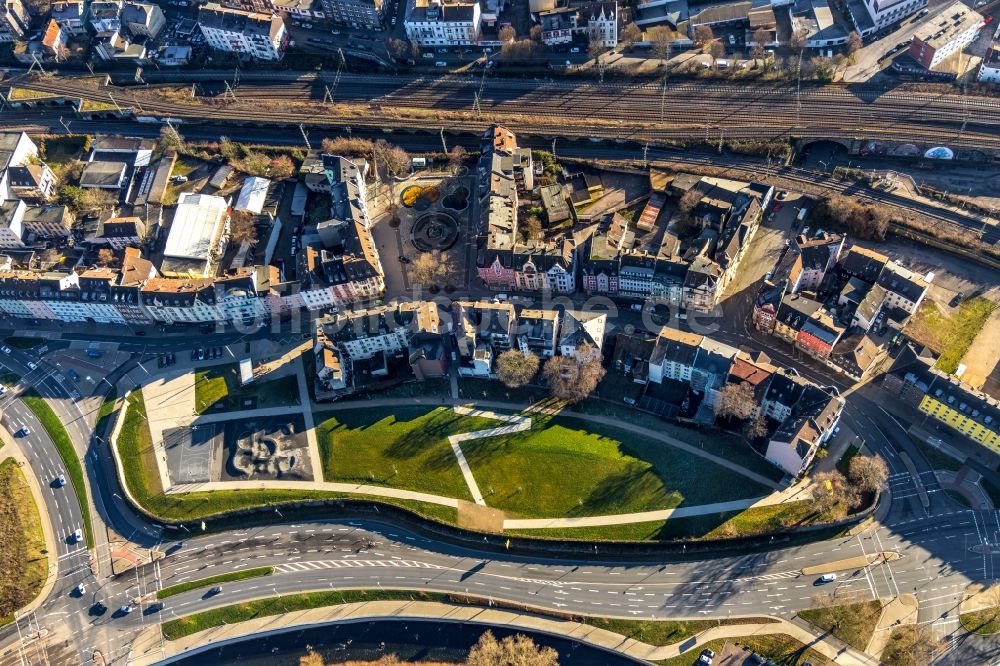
(959,297)
(5,349)
(32,365)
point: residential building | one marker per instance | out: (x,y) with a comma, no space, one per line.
(14,21)
(989,70)
(935,41)
(143,20)
(119,233)
(538,332)
(483,331)
(814,23)
(54,41)
(69,16)
(174,55)
(601,20)
(814,257)
(365,14)
(33,183)
(944,399)
(347,268)
(582,328)
(444,23)
(871,16)
(256,35)
(427,348)
(810,425)
(673,355)
(361,334)
(559,24)
(308,10)
(331,370)
(104,16)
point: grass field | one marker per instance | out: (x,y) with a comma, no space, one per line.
(713,440)
(565,467)
(984,622)
(852,623)
(135,449)
(935,457)
(24,565)
(402,448)
(663,632)
(781,649)
(950,336)
(230,577)
(220,385)
(57,433)
(757,520)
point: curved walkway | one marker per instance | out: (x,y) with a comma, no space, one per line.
(148,649)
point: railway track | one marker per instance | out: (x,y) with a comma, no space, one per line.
(638,112)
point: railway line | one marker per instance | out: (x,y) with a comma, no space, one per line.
(645,112)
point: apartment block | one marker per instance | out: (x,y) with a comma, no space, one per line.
(260,36)
(949,33)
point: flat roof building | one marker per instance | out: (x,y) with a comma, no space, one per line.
(196,234)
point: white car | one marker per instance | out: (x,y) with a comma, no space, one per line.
(77,536)
(3,389)
(32,365)
(60,481)
(25,431)
(126,609)
(5,349)
(80,589)
(828,578)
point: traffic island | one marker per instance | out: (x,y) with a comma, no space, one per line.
(979,611)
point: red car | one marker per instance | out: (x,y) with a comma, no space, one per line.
(777,206)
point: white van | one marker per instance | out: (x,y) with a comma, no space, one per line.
(440,63)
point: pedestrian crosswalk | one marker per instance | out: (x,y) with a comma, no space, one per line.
(312,565)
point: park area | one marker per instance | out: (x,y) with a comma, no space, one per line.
(559,467)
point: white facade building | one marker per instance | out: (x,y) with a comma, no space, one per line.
(260,36)
(438,23)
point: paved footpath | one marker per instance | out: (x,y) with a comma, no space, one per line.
(148,649)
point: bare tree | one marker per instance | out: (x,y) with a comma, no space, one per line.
(96,200)
(105,257)
(532,227)
(596,47)
(689,202)
(243,227)
(398,49)
(631,34)
(414,50)
(393,158)
(456,156)
(759,40)
(536,34)
(170,139)
(433,269)
(868,473)
(518,650)
(716,50)
(661,41)
(282,167)
(515,368)
(573,378)
(703,35)
(854,44)
(832,494)
(735,400)
(910,645)
(756,427)
(798,40)
(507,34)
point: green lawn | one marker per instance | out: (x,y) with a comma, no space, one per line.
(655,633)
(566,467)
(402,448)
(22,342)
(220,385)
(983,622)
(63,149)
(713,440)
(778,648)
(136,452)
(852,623)
(57,433)
(758,520)
(952,335)
(24,564)
(230,577)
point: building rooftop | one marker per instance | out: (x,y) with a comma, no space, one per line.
(953,21)
(196,227)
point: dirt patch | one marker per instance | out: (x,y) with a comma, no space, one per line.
(983,353)
(473,516)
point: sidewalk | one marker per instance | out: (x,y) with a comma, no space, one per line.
(148,649)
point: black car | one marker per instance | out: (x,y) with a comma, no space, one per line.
(959,297)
